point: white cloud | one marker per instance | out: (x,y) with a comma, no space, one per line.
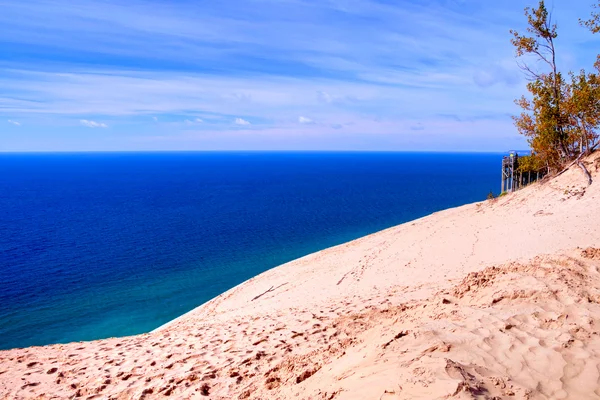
(195,121)
(418,61)
(92,124)
(240,121)
(14,122)
(285,98)
(324,97)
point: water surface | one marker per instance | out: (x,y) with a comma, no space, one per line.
(94,245)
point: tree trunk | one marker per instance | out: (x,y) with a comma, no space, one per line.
(585,171)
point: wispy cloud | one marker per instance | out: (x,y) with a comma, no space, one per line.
(499,73)
(324,96)
(193,121)
(14,122)
(241,121)
(344,63)
(92,124)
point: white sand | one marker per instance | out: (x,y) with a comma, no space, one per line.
(489,300)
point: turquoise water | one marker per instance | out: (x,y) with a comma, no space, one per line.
(110,244)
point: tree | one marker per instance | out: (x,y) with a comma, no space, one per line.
(540,119)
(594,22)
(583,109)
(560,118)
(586,92)
(543,120)
(541,40)
(531,163)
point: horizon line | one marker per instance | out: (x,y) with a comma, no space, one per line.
(256,151)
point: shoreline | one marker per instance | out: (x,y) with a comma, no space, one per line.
(438,307)
(164,257)
(296,260)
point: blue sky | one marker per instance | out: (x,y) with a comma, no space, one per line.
(268,75)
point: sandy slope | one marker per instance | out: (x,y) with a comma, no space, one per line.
(490,300)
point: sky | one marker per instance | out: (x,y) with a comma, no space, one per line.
(401,75)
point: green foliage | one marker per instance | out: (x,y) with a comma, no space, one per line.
(543,120)
(593,24)
(560,117)
(583,109)
(531,163)
(542,34)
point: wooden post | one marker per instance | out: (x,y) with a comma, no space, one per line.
(512,173)
(520,179)
(502,178)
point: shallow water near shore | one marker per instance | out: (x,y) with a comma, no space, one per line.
(111,244)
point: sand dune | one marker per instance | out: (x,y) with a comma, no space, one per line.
(490,300)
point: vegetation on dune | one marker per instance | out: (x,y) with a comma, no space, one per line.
(561,114)
(531,163)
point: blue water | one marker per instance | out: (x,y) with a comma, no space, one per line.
(113,244)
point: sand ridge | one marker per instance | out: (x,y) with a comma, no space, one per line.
(513,331)
(490,300)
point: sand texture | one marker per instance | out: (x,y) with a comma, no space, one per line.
(493,300)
